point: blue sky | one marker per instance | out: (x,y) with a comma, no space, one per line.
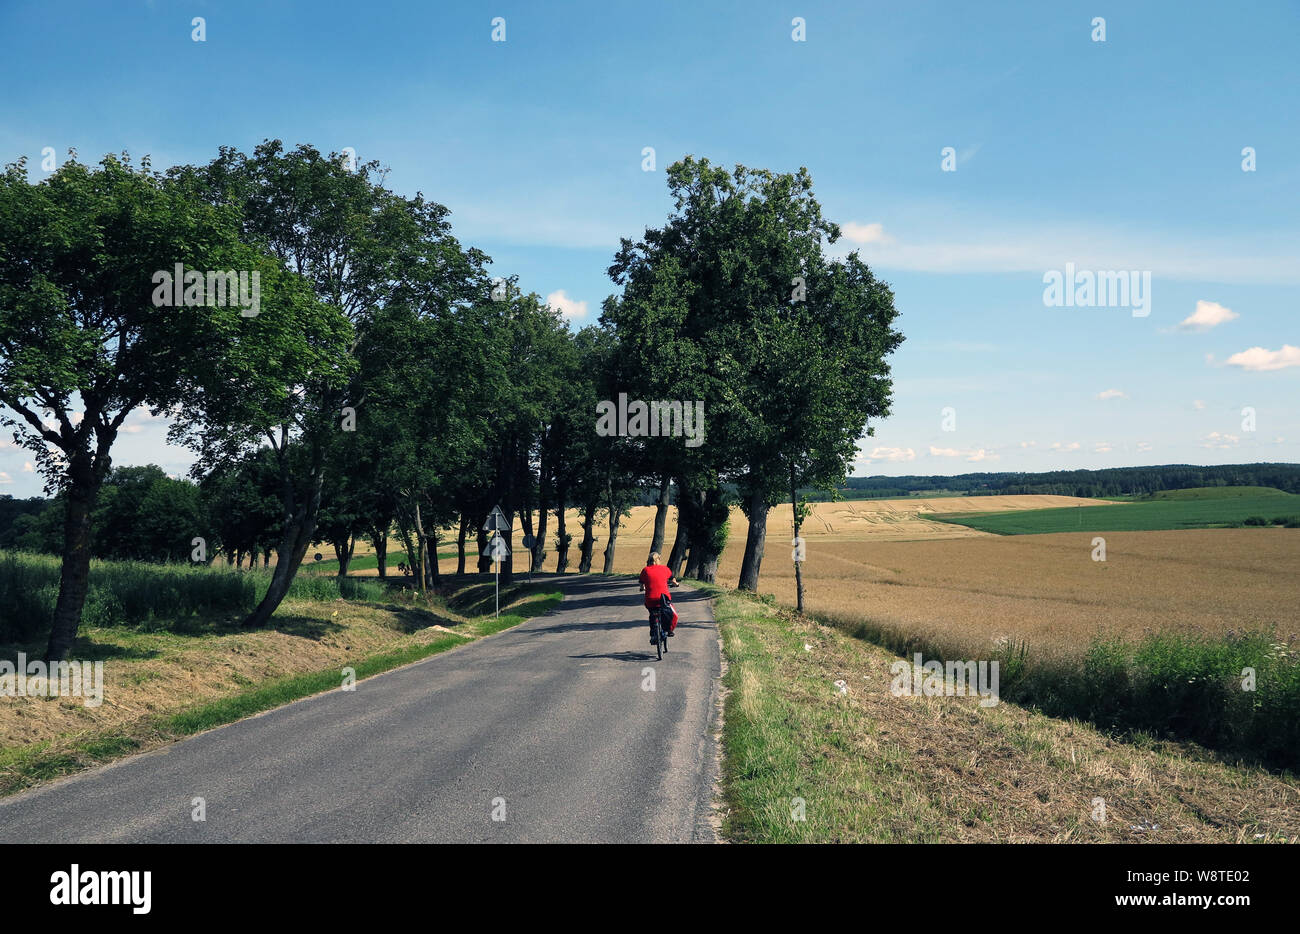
(1121,155)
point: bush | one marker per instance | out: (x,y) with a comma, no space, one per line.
(1256,520)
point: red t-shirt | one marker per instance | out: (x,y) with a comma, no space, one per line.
(656,578)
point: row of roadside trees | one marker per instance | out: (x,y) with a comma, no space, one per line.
(388,386)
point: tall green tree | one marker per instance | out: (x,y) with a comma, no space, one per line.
(363,248)
(82,342)
(784,347)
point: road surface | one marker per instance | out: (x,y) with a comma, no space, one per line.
(548,726)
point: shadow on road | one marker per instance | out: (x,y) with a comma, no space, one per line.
(593,626)
(646,656)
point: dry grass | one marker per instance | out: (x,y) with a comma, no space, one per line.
(151,673)
(878,768)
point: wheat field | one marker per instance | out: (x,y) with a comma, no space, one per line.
(879,560)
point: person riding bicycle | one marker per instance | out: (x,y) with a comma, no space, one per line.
(656,578)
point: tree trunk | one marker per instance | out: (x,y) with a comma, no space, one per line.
(343,551)
(539,545)
(755,541)
(421,575)
(409,546)
(460,543)
(588,538)
(380,541)
(707,537)
(678,554)
(661,515)
(561,537)
(297,539)
(614,519)
(74,578)
(484,562)
(693,562)
(433,571)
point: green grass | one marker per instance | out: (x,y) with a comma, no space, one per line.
(1201,508)
(151,596)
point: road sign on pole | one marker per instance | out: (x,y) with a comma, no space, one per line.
(497,548)
(498,551)
(496,521)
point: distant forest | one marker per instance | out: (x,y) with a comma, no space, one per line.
(1114,481)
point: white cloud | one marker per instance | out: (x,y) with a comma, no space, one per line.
(1206,316)
(865,233)
(1259,359)
(5,478)
(570,308)
(29,467)
(971,456)
(892,454)
(1102,447)
(937,239)
(1198,404)
(1216,440)
(1144,446)
(1072,446)
(1112,394)
(1029,444)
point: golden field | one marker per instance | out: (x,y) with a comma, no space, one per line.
(879,560)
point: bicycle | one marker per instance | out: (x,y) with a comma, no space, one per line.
(658,631)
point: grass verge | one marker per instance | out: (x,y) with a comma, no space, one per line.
(807,762)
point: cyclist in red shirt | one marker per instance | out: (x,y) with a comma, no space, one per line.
(656,578)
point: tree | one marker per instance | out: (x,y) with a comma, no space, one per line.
(83,341)
(243,501)
(145,515)
(362,248)
(784,348)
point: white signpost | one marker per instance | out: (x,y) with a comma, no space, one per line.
(497,549)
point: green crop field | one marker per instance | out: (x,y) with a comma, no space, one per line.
(1200,508)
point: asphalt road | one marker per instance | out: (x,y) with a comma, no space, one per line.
(548,725)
